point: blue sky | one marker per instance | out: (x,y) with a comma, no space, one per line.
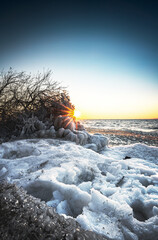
(104,52)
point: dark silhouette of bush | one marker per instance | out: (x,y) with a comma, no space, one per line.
(23,96)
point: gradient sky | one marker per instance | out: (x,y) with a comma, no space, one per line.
(104,52)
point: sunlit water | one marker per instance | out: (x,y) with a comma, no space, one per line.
(122,132)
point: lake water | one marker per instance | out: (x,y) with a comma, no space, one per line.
(125,132)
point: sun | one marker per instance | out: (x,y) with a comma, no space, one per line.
(76,113)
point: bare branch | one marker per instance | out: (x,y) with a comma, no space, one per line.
(23,95)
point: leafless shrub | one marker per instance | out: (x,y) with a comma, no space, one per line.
(24,95)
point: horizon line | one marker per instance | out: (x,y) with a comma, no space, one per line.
(118,119)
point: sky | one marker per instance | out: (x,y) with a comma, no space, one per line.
(104,52)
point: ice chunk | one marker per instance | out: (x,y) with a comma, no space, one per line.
(66,132)
(155,211)
(91,146)
(71,137)
(3,170)
(99,140)
(52,132)
(64,122)
(82,138)
(75,197)
(60,132)
(63,208)
(85,186)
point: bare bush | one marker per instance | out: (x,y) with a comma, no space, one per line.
(24,95)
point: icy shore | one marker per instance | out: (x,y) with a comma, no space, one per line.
(25,217)
(114,193)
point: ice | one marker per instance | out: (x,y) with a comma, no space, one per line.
(85,186)
(63,208)
(18,150)
(114,193)
(65,128)
(137,150)
(65,122)
(3,171)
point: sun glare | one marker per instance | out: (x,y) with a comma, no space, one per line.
(76,113)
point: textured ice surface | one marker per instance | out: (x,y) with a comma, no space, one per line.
(25,217)
(114,193)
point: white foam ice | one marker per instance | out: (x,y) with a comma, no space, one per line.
(114,193)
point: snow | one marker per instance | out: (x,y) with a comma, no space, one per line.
(114,193)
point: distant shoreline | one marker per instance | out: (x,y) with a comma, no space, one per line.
(118,119)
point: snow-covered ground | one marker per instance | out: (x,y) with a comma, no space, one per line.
(114,193)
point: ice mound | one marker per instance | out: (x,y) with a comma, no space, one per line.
(114,193)
(74,131)
(66,128)
(94,142)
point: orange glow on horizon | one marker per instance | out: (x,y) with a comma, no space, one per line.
(149,114)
